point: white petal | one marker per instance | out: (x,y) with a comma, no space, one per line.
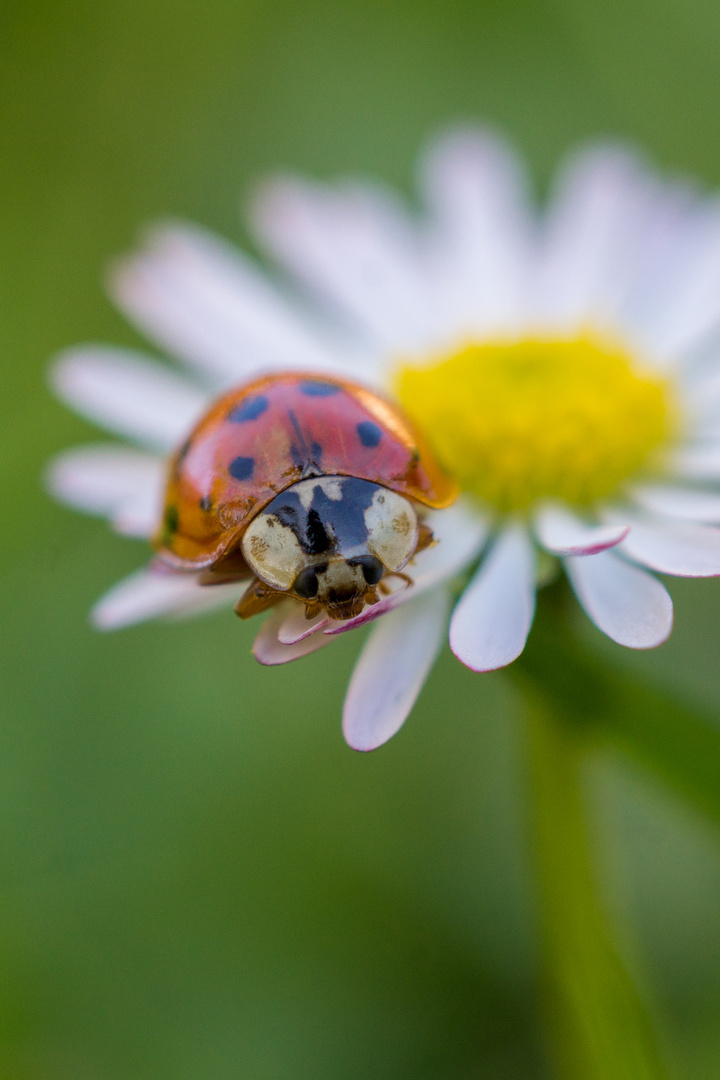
(593,235)
(353,245)
(491,623)
(215,309)
(705,431)
(116,482)
(460,533)
(392,669)
(626,603)
(139,515)
(565,534)
(127,393)
(701,395)
(696,463)
(688,308)
(681,548)
(653,281)
(270,651)
(477,190)
(148,594)
(687,504)
(295,627)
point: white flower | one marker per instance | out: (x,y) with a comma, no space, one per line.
(565,364)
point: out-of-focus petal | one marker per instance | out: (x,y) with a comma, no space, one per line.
(628,604)
(696,463)
(481,229)
(213,307)
(491,623)
(125,392)
(562,533)
(392,668)
(116,482)
(149,594)
(687,302)
(592,238)
(686,504)
(354,245)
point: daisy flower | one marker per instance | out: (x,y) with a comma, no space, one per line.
(563,363)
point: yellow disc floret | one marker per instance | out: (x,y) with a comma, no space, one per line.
(536,419)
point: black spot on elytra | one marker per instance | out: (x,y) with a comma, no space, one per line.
(206,504)
(241,468)
(171,519)
(248,410)
(319,389)
(369,434)
(316,451)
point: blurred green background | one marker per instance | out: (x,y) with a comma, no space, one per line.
(197,878)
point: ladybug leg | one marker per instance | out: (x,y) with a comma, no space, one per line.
(426,538)
(257,597)
(396,574)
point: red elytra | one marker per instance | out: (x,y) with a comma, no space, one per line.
(260,438)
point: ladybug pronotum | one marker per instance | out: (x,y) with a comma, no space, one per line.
(311,486)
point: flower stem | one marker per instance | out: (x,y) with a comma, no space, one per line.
(596,1024)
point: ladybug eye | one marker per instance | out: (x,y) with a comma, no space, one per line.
(306,583)
(372,568)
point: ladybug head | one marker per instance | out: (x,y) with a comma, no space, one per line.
(328,541)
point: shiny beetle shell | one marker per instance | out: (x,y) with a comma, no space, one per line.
(260,439)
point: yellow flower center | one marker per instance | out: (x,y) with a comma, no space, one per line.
(515,423)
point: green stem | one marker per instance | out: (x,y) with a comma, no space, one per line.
(596,1024)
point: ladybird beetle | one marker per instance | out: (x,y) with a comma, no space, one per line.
(310,485)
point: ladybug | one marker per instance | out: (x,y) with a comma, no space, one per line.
(311,486)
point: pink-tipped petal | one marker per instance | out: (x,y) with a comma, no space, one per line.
(392,669)
(681,548)
(684,504)
(491,623)
(562,533)
(270,651)
(125,392)
(150,594)
(629,605)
